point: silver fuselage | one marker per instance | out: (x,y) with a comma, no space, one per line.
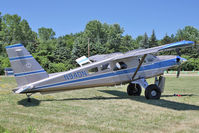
(82,77)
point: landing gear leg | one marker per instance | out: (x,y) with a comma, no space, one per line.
(29,99)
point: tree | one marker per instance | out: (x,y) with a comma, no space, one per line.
(127,43)
(138,41)
(145,41)
(166,40)
(0,33)
(188,33)
(153,41)
(114,38)
(96,34)
(0,21)
(63,51)
(94,31)
(15,30)
(46,33)
(102,39)
(11,29)
(27,35)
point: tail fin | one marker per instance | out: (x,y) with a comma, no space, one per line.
(26,68)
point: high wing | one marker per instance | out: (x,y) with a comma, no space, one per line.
(142,52)
(101,57)
(139,52)
(166,47)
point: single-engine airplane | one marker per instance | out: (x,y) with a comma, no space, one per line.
(132,67)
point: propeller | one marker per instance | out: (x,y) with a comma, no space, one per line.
(178,71)
(178,62)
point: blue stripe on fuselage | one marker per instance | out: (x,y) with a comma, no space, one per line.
(143,68)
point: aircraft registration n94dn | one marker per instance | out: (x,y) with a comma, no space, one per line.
(132,67)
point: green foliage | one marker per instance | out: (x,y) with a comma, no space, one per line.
(46,33)
(59,67)
(145,41)
(153,41)
(191,64)
(59,54)
(188,33)
(15,30)
(127,44)
(4,62)
(102,39)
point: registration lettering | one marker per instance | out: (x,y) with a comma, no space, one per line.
(75,75)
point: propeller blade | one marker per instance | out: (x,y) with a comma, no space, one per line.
(178,71)
(178,52)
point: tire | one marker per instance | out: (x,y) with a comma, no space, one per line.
(134,90)
(152,92)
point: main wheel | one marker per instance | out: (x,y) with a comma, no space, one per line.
(134,89)
(152,92)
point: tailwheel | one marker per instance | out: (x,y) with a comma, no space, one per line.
(28,96)
(152,92)
(134,89)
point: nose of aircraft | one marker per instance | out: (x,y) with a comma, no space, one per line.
(180,59)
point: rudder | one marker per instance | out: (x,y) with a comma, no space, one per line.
(26,69)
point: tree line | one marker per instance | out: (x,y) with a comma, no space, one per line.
(56,54)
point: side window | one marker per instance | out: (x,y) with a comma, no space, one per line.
(144,62)
(93,70)
(123,65)
(105,67)
(150,59)
(119,66)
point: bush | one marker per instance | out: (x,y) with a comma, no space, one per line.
(191,64)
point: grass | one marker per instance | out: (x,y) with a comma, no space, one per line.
(105,109)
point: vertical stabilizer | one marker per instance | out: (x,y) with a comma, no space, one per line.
(26,68)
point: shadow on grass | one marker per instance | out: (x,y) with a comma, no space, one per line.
(122,95)
(24,102)
(162,102)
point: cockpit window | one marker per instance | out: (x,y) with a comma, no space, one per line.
(150,59)
(93,70)
(105,66)
(119,66)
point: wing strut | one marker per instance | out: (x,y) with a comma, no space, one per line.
(142,60)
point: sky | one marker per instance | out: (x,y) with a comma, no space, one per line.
(135,16)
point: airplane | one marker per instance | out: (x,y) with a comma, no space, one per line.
(132,67)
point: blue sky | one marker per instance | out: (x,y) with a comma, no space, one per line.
(135,16)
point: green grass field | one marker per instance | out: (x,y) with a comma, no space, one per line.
(105,109)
